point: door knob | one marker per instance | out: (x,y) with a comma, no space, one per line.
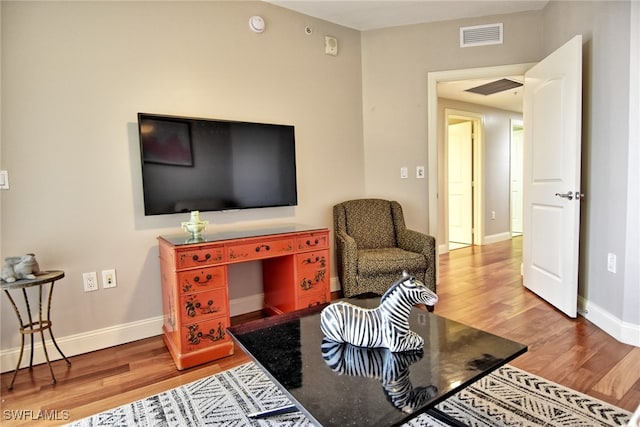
(567,195)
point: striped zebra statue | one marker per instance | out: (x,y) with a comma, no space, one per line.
(391,369)
(384,326)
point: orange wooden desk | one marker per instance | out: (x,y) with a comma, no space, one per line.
(296,274)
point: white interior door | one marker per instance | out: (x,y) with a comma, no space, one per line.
(552,123)
(459,154)
(516,176)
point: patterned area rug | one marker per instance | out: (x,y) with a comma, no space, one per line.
(507,397)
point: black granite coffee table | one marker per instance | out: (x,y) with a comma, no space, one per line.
(341,385)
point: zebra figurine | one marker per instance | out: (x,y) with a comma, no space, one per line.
(384,326)
(391,369)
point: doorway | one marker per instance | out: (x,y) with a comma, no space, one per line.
(550,259)
(463,201)
(436,158)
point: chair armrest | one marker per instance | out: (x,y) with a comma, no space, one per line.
(414,241)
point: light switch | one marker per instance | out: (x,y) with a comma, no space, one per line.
(404,172)
(4,180)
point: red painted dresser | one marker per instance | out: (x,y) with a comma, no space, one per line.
(195,297)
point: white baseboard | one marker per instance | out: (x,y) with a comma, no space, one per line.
(99,339)
(334,284)
(495,238)
(86,342)
(443,248)
(246,304)
(256,302)
(624,332)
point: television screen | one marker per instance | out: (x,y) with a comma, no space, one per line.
(193,164)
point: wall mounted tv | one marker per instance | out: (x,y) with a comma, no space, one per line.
(193,164)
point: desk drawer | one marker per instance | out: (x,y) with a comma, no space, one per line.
(312,261)
(248,251)
(202,305)
(202,279)
(200,257)
(201,335)
(312,270)
(310,299)
(313,241)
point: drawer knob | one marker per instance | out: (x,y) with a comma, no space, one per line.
(207,257)
(197,279)
(265,247)
(315,242)
(314,260)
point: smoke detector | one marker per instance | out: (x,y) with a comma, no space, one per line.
(256,23)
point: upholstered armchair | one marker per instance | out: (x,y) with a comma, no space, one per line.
(373,247)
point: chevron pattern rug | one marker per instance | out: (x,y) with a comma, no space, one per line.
(507,397)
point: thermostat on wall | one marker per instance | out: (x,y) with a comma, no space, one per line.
(330,45)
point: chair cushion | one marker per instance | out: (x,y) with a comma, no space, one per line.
(389,260)
(370,224)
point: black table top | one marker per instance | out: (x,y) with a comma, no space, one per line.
(339,384)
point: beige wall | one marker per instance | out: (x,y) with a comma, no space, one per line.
(74,75)
(396,62)
(606,144)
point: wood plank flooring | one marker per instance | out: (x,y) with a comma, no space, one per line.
(479,286)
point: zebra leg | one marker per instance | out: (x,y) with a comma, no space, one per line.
(332,323)
(408,341)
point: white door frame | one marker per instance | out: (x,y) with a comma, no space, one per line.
(434,171)
(478,173)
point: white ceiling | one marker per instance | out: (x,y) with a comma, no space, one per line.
(366,15)
(510,100)
(374,14)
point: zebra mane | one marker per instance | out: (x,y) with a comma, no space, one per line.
(393,287)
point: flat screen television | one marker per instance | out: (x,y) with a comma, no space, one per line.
(193,164)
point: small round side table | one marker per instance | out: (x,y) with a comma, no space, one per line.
(34,326)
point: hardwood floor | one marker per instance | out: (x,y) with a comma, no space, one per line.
(479,286)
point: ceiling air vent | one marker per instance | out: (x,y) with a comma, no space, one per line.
(494,87)
(481,35)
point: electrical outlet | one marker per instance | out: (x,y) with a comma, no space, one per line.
(420,172)
(90,281)
(109,279)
